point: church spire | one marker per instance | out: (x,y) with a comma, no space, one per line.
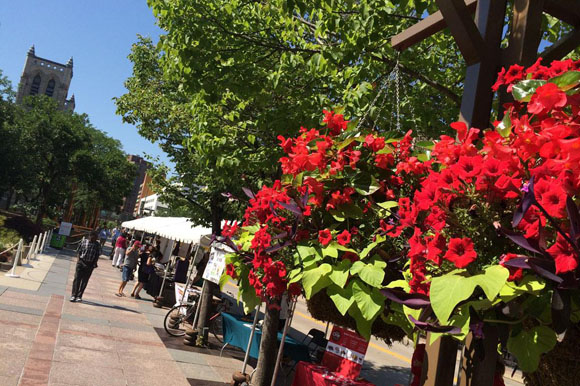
(31,51)
(70,62)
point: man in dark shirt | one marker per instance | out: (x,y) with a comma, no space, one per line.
(89,252)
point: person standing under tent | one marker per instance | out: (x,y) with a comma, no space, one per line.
(129,265)
(145,269)
(120,248)
(88,256)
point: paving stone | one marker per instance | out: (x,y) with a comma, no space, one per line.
(72,373)
(87,342)
(84,357)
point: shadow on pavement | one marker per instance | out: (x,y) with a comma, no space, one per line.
(386,375)
(91,303)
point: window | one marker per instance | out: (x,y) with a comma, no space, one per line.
(50,88)
(35,85)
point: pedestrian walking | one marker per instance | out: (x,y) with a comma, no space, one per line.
(88,256)
(120,248)
(114,235)
(129,265)
(145,269)
(103,236)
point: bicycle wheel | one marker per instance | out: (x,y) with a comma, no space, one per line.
(176,319)
(215,327)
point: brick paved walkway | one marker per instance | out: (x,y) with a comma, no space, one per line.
(106,340)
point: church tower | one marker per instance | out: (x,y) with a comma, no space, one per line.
(45,77)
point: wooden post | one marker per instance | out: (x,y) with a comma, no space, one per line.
(480,359)
(440,359)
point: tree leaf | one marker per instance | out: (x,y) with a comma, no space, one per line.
(529,345)
(372,275)
(365,184)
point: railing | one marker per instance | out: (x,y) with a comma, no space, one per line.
(38,245)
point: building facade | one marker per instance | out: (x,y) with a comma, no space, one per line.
(45,77)
(131,199)
(149,205)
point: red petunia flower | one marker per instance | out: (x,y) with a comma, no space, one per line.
(324,237)
(460,252)
(515,273)
(335,122)
(514,73)
(564,255)
(343,238)
(231,271)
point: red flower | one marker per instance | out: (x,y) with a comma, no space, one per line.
(335,122)
(231,271)
(515,273)
(324,237)
(230,229)
(468,167)
(435,248)
(350,256)
(552,197)
(564,255)
(285,143)
(546,98)
(514,73)
(294,289)
(374,143)
(383,161)
(460,252)
(343,238)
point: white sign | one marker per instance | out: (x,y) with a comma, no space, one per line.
(179,294)
(216,265)
(65,228)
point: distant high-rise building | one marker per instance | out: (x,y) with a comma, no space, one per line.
(46,77)
(131,199)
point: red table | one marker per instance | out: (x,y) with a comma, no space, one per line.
(309,374)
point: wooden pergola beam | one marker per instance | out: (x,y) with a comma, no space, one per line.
(425,28)
(525,33)
(565,10)
(562,47)
(464,30)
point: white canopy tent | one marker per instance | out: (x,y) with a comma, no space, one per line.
(172,228)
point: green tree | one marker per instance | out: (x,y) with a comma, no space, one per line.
(10,154)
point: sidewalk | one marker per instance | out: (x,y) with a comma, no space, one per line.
(105,340)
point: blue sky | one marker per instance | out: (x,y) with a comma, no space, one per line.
(98,35)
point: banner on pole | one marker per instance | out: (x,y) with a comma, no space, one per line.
(217,263)
(345,352)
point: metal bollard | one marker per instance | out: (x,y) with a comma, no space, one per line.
(15,262)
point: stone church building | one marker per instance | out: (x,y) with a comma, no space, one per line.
(45,77)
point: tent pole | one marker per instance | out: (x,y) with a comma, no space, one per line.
(281,349)
(166,269)
(247,356)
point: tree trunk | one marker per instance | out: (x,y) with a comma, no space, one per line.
(210,288)
(268,348)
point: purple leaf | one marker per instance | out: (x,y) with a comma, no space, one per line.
(292,207)
(530,245)
(414,301)
(536,265)
(249,193)
(527,201)
(574,217)
(272,209)
(433,328)
(280,235)
(518,262)
(231,244)
(277,247)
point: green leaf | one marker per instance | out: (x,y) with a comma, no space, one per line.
(349,210)
(371,246)
(567,80)
(248,295)
(330,251)
(388,204)
(524,90)
(340,273)
(426,144)
(342,297)
(369,301)
(372,275)
(504,128)
(365,184)
(313,280)
(357,267)
(529,345)
(450,289)
(363,325)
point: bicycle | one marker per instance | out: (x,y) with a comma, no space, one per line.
(180,317)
